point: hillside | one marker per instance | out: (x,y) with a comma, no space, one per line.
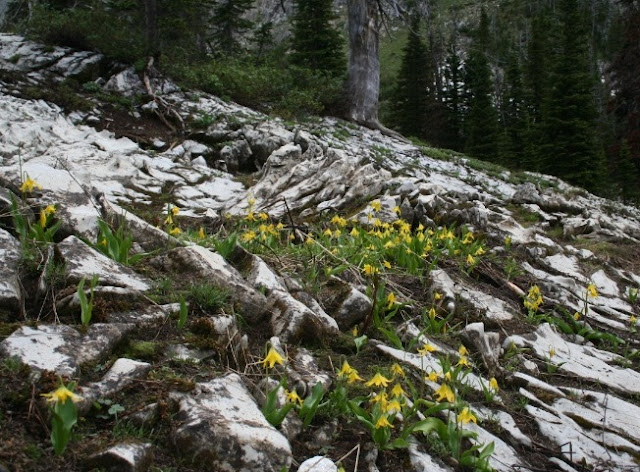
(234,292)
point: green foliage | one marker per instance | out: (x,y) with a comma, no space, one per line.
(182,315)
(208,297)
(86,304)
(116,245)
(230,21)
(481,120)
(317,45)
(571,148)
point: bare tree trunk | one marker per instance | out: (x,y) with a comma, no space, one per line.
(151,20)
(363,83)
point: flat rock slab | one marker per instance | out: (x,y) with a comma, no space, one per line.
(84,261)
(125,457)
(121,374)
(292,320)
(202,264)
(221,427)
(10,294)
(585,362)
(60,348)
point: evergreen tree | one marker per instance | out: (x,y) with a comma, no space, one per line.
(514,115)
(414,86)
(625,105)
(316,43)
(627,174)
(229,23)
(453,92)
(571,146)
(481,121)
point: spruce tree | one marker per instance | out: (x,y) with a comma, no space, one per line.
(571,146)
(316,43)
(453,96)
(229,23)
(481,121)
(514,115)
(413,90)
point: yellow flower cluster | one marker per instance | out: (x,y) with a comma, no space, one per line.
(533,300)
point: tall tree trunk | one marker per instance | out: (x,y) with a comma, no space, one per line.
(363,83)
(151,20)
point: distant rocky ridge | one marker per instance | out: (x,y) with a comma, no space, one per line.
(562,237)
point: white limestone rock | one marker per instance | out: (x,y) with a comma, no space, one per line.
(10,293)
(292,320)
(221,427)
(200,263)
(125,457)
(318,464)
(354,308)
(584,362)
(60,348)
(82,260)
(122,373)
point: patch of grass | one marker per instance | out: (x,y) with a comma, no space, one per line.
(146,350)
(208,297)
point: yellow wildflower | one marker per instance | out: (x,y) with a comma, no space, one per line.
(445,392)
(354,331)
(427,348)
(29,184)
(250,216)
(248,236)
(447,376)
(393,406)
(251,201)
(433,376)
(168,220)
(378,380)
(309,241)
(466,416)
(354,233)
(201,233)
(263,216)
(293,397)
(432,313)
(397,210)
(62,394)
(633,320)
(493,383)
(328,232)
(462,350)
(468,238)
(471,260)
(175,210)
(376,205)
(279,226)
(533,300)
(591,291)
(368,269)
(391,300)
(339,221)
(576,316)
(380,397)
(552,352)
(272,358)
(397,391)
(437,296)
(397,370)
(386,264)
(354,377)
(389,245)
(175,231)
(463,361)
(480,251)
(345,370)
(383,422)
(337,233)
(48,210)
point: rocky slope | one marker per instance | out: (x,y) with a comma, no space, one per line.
(511,296)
